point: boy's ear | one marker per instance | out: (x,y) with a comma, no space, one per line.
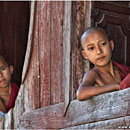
(84,54)
(11,69)
(112,45)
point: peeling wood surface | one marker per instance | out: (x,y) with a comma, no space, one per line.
(78,25)
(31,84)
(117,123)
(79,31)
(66,55)
(44,53)
(73,83)
(56,37)
(98,108)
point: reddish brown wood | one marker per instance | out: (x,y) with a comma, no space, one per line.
(31,84)
(73,50)
(44,52)
(112,7)
(66,55)
(79,31)
(14,25)
(57,9)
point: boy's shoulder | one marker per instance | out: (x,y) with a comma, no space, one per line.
(90,75)
(91,72)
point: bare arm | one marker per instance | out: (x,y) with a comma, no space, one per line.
(87,89)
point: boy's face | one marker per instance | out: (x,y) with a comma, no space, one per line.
(5,73)
(97,48)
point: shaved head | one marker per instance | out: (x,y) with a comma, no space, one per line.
(90,31)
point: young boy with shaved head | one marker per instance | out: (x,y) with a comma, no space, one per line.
(107,75)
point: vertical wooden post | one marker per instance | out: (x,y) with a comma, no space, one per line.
(44,52)
(66,53)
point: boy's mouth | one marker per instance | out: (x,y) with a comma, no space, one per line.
(2,81)
(101,58)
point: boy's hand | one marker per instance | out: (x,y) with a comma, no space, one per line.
(125,83)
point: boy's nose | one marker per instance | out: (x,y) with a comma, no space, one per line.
(1,74)
(99,50)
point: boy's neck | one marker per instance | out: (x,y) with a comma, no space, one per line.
(106,69)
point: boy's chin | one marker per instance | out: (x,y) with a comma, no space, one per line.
(102,64)
(4,85)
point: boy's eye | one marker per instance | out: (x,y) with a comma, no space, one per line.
(2,68)
(104,43)
(91,48)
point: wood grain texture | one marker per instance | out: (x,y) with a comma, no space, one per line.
(57,9)
(44,53)
(99,108)
(31,84)
(117,123)
(109,6)
(66,55)
(79,31)
(73,83)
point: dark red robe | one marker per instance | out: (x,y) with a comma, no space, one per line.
(124,71)
(13,95)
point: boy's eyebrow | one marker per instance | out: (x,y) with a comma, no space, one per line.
(90,44)
(2,66)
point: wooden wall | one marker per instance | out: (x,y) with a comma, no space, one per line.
(51,35)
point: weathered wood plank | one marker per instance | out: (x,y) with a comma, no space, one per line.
(44,52)
(77,65)
(87,23)
(31,84)
(57,9)
(118,123)
(48,117)
(66,55)
(98,108)
(73,82)
(19,103)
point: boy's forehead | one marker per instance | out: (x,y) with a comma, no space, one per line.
(95,35)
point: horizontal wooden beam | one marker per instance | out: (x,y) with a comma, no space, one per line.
(99,108)
(118,123)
